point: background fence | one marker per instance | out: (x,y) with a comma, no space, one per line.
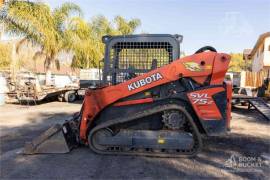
(253,79)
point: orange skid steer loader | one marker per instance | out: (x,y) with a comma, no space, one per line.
(149,101)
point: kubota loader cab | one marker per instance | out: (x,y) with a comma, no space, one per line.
(132,55)
(150,102)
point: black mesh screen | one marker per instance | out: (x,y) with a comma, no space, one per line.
(131,59)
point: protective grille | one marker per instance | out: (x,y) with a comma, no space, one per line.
(131,59)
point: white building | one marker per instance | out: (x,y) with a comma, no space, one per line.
(260,54)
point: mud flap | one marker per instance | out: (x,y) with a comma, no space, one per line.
(57,139)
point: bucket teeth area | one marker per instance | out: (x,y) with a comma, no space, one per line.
(51,141)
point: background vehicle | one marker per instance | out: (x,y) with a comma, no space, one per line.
(28,87)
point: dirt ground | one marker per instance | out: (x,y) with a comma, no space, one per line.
(242,154)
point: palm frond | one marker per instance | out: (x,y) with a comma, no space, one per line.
(66,9)
(62,14)
(126,27)
(19,26)
(38,54)
(20,44)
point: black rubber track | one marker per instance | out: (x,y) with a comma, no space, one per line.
(119,151)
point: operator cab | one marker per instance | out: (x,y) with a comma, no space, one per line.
(129,56)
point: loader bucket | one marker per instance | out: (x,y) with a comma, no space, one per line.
(56,139)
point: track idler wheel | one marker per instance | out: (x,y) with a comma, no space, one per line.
(99,136)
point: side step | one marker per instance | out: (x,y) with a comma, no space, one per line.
(261,106)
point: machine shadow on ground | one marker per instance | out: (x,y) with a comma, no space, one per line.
(15,137)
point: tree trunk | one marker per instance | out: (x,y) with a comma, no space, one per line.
(13,64)
(48,77)
(48,68)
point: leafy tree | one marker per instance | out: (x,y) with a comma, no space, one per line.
(237,63)
(5,55)
(39,24)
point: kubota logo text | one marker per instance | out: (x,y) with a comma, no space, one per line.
(200,98)
(145,81)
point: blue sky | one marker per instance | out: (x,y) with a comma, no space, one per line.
(228,25)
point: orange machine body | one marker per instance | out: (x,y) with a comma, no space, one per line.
(204,67)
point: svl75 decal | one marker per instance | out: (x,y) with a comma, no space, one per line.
(200,98)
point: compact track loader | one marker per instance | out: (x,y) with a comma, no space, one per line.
(149,101)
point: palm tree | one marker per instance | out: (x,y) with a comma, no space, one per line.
(89,48)
(125,27)
(55,31)
(36,22)
(84,44)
